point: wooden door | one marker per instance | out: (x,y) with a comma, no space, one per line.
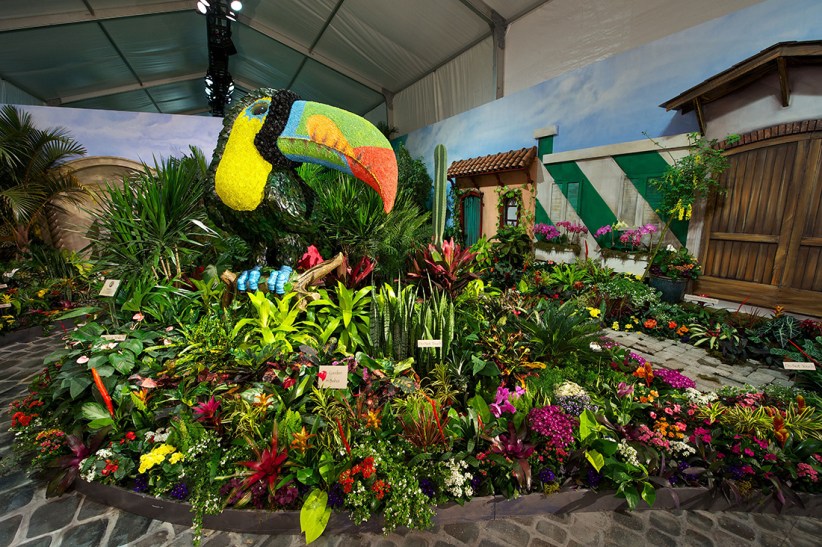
(762,241)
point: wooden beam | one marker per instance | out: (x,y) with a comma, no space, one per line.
(784,85)
(747,238)
(700,115)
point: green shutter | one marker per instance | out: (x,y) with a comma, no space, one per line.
(581,195)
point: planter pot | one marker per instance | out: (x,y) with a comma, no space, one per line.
(672,289)
(564,254)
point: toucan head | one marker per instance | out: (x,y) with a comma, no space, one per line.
(271,129)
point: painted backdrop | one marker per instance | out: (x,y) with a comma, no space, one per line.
(616,100)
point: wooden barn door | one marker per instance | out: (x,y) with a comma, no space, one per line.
(762,241)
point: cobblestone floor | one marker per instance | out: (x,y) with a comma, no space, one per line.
(27,518)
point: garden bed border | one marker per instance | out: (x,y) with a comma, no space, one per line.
(478,509)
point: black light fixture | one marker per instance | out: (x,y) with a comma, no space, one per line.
(218,82)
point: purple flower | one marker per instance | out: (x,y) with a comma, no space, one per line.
(286,495)
(593,478)
(624,390)
(476,482)
(546,476)
(674,378)
(336,497)
(141,483)
(428,487)
(554,424)
(180,491)
(574,405)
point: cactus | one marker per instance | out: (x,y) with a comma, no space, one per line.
(438,209)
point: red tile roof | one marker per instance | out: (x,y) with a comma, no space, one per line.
(514,160)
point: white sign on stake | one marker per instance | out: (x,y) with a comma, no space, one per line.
(114,337)
(790,365)
(3,286)
(429,343)
(2,306)
(333,377)
(110,287)
(701,299)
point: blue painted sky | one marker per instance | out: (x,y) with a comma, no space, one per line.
(134,135)
(616,99)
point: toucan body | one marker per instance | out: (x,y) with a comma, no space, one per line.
(253,188)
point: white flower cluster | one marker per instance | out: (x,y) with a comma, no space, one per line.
(702,399)
(628,453)
(455,480)
(88,474)
(682,449)
(158,436)
(569,389)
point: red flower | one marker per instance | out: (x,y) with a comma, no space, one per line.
(380,488)
(289,383)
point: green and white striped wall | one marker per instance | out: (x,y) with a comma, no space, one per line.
(599,186)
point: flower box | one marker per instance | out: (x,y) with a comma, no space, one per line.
(626,262)
(556,252)
(475,510)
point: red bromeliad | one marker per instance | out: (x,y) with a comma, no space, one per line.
(267,467)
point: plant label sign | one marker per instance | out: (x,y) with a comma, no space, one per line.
(789,365)
(110,287)
(2,306)
(333,377)
(114,337)
(429,343)
(701,299)
(3,286)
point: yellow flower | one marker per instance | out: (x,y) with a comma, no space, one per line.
(177,456)
(628,326)
(595,312)
(155,457)
(41,293)
(615,326)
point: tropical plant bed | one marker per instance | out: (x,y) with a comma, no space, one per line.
(477,509)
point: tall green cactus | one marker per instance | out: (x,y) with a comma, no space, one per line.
(438,210)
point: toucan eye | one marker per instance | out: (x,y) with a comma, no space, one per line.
(259,108)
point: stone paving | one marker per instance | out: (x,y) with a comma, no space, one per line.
(27,518)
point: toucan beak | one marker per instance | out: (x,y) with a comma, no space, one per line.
(336,138)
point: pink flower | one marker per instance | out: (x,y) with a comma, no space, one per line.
(770,457)
(502,403)
(623,390)
(83,359)
(138,316)
(748,452)
(207,411)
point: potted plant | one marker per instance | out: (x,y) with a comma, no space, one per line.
(670,270)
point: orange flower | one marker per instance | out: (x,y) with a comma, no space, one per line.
(300,441)
(645,371)
(650,324)
(672,324)
(682,331)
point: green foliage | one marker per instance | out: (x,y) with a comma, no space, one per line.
(559,332)
(433,319)
(314,515)
(346,316)
(350,218)
(701,334)
(154,222)
(676,264)
(32,183)
(439,208)
(391,325)
(513,246)
(693,176)
(413,178)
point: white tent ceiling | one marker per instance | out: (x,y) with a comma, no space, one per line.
(151,55)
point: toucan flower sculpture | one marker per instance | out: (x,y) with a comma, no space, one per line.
(253,189)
